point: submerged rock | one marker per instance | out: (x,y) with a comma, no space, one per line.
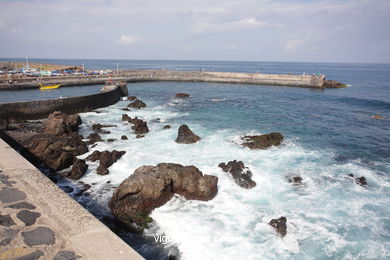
(182,95)
(106,159)
(59,123)
(241,174)
(78,170)
(137,104)
(262,141)
(125,117)
(131,98)
(279,225)
(93,138)
(186,136)
(295,180)
(98,128)
(150,187)
(123,137)
(359,180)
(167,127)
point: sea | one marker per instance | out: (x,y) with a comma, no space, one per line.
(328,134)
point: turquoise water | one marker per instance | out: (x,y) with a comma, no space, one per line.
(328,135)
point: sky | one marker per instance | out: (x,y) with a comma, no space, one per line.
(236,30)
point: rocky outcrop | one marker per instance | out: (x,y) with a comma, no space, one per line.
(58,152)
(139,126)
(167,127)
(262,141)
(279,225)
(131,98)
(333,84)
(123,137)
(59,123)
(296,180)
(98,128)
(93,138)
(150,187)
(186,136)
(106,159)
(359,180)
(137,104)
(182,95)
(78,170)
(241,174)
(125,117)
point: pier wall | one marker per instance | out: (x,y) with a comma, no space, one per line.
(310,81)
(42,108)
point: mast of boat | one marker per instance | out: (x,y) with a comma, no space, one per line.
(27,63)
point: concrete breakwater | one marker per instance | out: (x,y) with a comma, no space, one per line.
(42,108)
(310,81)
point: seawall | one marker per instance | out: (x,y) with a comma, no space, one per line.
(62,224)
(42,108)
(310,81)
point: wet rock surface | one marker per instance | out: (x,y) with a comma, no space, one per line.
(295,180)
(139,126)
(137,104)
(167,127)
(333,84)
(262,141)
(241,174)
(78,170)
(182,95)
(359,180)
(98,128)
(123,137)
(279,225)
(150,187)
(59,123)
(93,138)
(106,159)
(131,98)
(186,136)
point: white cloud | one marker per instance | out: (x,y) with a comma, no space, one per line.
(129,40)
(297,42)
(246,23)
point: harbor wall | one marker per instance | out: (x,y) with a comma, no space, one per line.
(311,81)
(42,108)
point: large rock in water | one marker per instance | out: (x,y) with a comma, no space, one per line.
(182,95)
(279,225)
(333,84)
(58,152)
(78,170)
(150,187)
(241,174)
(262,141)
(139,126)
(106,159)
(137,104)
(59,123)
(186,136)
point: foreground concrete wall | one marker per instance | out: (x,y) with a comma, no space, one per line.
(74,227)
(42,108)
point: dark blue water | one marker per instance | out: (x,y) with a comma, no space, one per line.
(329,134)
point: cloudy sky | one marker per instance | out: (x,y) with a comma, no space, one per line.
(246,30)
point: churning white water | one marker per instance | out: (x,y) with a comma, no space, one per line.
(328,216)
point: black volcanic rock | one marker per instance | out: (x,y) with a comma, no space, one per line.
(137,104)
(241,174)
(279,225)
(262,141)
(186,136)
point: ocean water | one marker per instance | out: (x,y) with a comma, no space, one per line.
(328,135)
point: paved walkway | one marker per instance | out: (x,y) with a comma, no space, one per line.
(40,221)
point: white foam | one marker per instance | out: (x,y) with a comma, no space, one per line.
(235,223)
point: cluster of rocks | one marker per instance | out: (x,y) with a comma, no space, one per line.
(140,127)
(262,141)
(106,159)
